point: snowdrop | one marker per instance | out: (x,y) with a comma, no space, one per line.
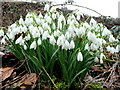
(33,45)
(59,24)
(118,48)
(54,16)
(45,35)
(86,25)
(40,15)
(37,19)
(1,33)
(71,45)
(65,45)
(11,36)
(101,58)
(25,47)
(67,35)
(48,19)
(111,49)
(61,40)
(39,41)
(80,57)
(28,21)
(80,31)
(41,30)
(57,33)
(111,38)
(93,22)
(53,26)
(21,21)
(52,40)
(87,47)
(106,32)
(27,37)
(35,33)
(94,47)
(46,8)
(91,36)
(96,59)
(19,40)
(3,40)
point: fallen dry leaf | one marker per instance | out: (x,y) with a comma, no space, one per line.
(28,79)
(5,72)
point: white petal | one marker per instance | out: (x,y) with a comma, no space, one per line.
(80,57)
(39,41)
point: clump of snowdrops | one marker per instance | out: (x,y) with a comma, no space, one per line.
(59,43)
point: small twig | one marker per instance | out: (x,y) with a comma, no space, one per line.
(112,71)
(102,75)
(12,82)
(49,77)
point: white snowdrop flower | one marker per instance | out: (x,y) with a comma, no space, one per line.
(33,45)
(77,31)
(111,49)
(62,18)
(111,38)
(106,32)
(24,29)
(46,27)
(3,40)
(37,19)
(67,35)
(96,59)
(99,42)
(86,25)
(80,31)
(11,36)
(27,37)
(45,35)
(80,57)
(31,28)
(22,42)
(118,48)
(25,47)
(103,41)
(19,40)
(35,32)
(39,41)
(93,22)
(87,47)
(21,21)
(91,36)
(108,48)
(65,45)
(40,15)
(1,33)
(41,29)
(59,24)
(71,45)
(28,21)
(46,8)
(13,26)
(52,40)
(78,16)
(93,47)
(73,16)
(53,25)
(28,15)
(48,18)
(54,16)
(61,40)
(57,33)
(101,58)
